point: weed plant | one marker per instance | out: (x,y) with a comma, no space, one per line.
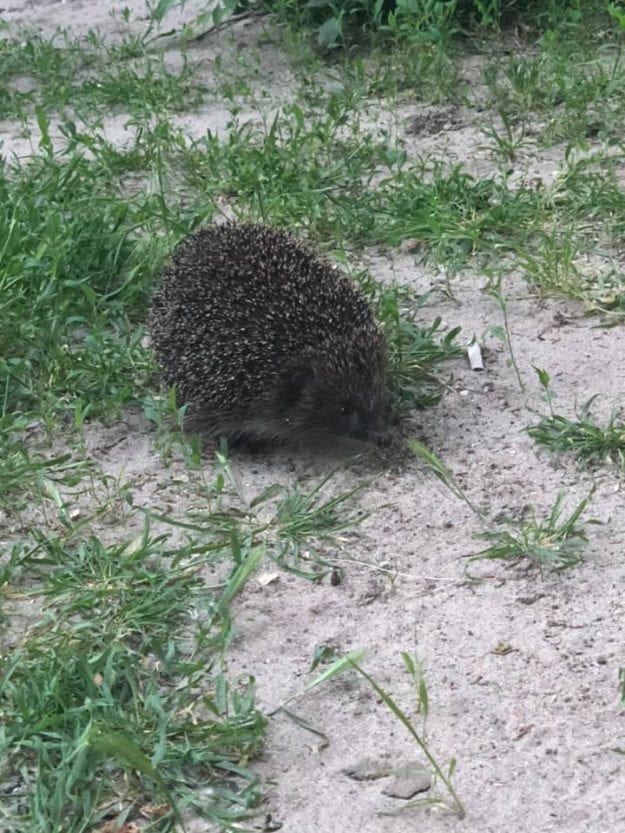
(337,24)
(591,444)
(552,543)
(573,93)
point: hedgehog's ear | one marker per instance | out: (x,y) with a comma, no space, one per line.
(294,385)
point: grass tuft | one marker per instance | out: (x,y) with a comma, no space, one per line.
(552,543)
(591,444)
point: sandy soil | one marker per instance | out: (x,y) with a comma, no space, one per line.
(534,729)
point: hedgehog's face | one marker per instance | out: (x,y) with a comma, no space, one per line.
(341,391)
(365,418)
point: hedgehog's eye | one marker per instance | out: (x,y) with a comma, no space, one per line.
(346,409)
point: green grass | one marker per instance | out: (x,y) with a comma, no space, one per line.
(292,525)
(300,514)
(335,25)
(26,474)
(118,700)
(591,444)
(552,543)
(90,77)
(71,277)
(334,178)
(574,94)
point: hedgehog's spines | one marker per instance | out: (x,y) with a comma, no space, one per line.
(263,338)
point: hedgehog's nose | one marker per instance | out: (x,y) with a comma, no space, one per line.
(381,439)
(365,426)
(359,425)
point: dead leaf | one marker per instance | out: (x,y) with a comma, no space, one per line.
(155,811)
(502,648)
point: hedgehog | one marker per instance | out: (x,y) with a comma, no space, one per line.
(265,341)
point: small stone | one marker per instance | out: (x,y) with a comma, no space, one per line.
(530,600)
(367,770)
(271,824)
(267,578)
(407,786)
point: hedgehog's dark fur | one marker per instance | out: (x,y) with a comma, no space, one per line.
(264,340)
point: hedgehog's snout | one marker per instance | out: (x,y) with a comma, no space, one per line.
(361,424)
(367,423)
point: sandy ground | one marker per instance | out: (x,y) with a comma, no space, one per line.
(534,729)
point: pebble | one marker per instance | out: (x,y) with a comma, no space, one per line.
(406,786)
(368,769)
